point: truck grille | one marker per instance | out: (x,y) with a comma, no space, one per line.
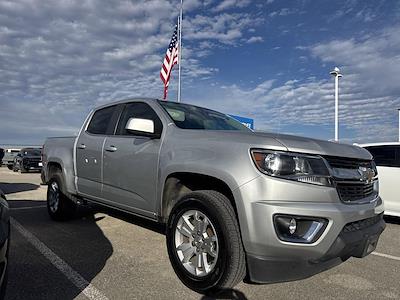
(351,191)
(347,163)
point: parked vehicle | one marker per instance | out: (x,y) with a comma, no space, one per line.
(28,159)
(236,203)
(1,156)
(387,159)
(4,243)
(9,156)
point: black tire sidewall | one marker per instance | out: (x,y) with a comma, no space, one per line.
(200,284)
(66,207)
(56,214)
(22,169)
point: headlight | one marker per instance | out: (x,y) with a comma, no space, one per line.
(292,166)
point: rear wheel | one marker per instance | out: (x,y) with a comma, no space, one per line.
(59,205)
(21,168)
(204,243)
(10,167)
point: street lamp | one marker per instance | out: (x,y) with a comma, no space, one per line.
(399,123)
(336,73)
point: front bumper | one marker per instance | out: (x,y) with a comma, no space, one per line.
(32,165)
(270,259)
(352,241)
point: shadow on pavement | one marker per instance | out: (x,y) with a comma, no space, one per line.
(392,220)
(79,242)
(25,204)
(142,222)
(10,188)
(227,294)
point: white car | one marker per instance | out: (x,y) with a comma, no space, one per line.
(387,159)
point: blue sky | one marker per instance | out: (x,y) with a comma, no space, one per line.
(267,60)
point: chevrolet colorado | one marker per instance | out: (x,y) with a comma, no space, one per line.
(237,204)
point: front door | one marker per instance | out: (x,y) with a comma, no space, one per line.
(131,164)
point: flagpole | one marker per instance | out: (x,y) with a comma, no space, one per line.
(180,52)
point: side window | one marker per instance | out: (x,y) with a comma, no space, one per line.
(385,156)
(138,110)
(100,120)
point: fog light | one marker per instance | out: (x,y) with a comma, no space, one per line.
(299,229)
(292,226)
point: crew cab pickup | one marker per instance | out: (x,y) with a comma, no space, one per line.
(237,204)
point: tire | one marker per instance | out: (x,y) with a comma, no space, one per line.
(21,168)
(42,178)
(10,167)
(59,206)
(229,266)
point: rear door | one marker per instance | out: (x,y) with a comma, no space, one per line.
(387,159)
(131,163)
(89,149)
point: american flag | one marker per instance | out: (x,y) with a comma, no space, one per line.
(171,59)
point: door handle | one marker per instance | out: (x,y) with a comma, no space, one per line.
(111,148)
(82,146)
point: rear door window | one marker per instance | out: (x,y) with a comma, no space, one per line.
(385,156)
(101,122)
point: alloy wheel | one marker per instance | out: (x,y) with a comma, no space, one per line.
(196,243)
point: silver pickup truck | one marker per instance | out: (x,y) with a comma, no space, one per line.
(237,204)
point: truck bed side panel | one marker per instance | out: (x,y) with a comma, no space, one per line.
(60,151)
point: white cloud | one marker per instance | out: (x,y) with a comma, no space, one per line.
(255,39)
(224,28)
(282,12)
(227,4)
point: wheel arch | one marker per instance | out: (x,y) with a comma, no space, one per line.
(180,183)
(54,164)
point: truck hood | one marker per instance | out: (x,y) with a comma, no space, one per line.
(315,146)
(267,140)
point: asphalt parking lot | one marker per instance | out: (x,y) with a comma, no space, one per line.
(103,254)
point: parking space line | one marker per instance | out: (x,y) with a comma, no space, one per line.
(27,207)
(386,255)
(81,283)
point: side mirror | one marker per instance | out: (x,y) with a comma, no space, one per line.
(143,127)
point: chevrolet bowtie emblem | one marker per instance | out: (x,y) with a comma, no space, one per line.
(366,174)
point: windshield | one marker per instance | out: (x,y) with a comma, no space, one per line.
(31,152)
(193,117)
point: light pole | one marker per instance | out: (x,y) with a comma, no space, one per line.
(336,73)
(399,123)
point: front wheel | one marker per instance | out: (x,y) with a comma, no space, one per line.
(21,168)
(204,243)
(59,206)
